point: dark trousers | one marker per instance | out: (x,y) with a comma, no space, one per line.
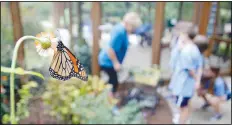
(113,78)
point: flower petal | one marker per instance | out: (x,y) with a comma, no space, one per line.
(49,50)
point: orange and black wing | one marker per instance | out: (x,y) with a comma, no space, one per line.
(65,65)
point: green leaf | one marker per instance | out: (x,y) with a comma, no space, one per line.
(6,119)
(20,71)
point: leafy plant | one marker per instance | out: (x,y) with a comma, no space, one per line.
(130,114)
(97,110)
(83,53)
(78,102)
(90,108)
(59,95)
(22,105)
(20,71)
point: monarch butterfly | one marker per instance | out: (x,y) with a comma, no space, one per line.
(65,65)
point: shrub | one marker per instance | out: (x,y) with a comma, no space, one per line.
(78,102)
(22,105)
(59,95)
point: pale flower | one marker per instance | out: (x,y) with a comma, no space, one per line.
(46,45)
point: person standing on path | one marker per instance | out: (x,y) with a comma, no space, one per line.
(110,59)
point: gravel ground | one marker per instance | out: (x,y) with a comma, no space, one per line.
(138,56)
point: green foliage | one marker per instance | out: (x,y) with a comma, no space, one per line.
(5,97)
(20,71)
(6,34)
(93,109)
(24,93)
(221,49)
(130,114)
(32,13)
(225,12)
(171,10)
(5,83)
(111,12)
(6,26)
(84,55)
(59,95)
(22,106)
(187,11)
(79,102)
(4,107)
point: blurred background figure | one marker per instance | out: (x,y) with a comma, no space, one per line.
(144,32)
(186,75)
(111,58)
(169,33)
(219,90)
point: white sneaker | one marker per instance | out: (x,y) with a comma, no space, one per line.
(176,118)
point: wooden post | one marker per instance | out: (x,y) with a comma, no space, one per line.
(17,30)
(196,12)
(203,24)
(158,32)
(96,21)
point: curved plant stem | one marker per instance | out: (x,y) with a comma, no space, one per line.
(14,58)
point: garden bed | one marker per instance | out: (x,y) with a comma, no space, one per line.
(162,114)
(159,114)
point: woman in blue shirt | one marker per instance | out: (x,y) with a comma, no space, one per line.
(110,59)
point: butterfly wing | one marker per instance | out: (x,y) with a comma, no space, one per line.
(78,68)
(65,65)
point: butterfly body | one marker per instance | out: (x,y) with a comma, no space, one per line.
(65,65)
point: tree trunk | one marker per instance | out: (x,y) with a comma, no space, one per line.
(18,33)
(96,15)
(17,30)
